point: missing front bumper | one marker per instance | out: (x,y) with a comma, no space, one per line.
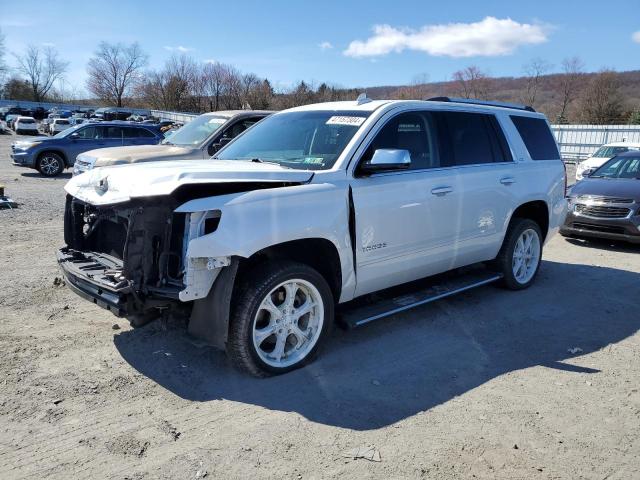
(98,278)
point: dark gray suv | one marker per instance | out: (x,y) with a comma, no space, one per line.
(51,155)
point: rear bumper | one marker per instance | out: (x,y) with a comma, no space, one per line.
(623,229)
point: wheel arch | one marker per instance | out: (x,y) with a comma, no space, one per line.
(210,316)
(57,152)
(536,210)
(318,253)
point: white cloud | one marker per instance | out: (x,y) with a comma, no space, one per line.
(179,48)
(325,45)
(635,36)
(48,44)
(488,37)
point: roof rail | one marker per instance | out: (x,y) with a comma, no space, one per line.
(362,99)
(473,101)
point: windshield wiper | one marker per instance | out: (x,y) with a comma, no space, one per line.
(259,160)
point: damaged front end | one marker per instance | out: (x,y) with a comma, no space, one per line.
(130,258)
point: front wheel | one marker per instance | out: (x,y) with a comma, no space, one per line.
(50,164)
(283,314)
(520,255)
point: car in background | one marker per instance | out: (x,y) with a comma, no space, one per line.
(26,126)
(3,127)
(10,118)
(198,139)
(51,155)
(600,157)
(58,125)
(606,203)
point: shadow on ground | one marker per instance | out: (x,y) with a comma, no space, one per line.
(395,368)
(35,174)
(603,244)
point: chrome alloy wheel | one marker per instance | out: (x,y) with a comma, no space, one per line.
(526,256)
(49,165)
(288,323)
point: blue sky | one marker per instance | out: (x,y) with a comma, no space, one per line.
(334,41)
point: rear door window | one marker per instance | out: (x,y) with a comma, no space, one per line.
(130,132)
(472,138)
(114,132)
(537,137)
(143,132)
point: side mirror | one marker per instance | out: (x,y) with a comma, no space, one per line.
(385,159)
(74,136)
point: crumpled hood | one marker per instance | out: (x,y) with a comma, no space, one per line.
(121,183)
(616,187)
(104,157)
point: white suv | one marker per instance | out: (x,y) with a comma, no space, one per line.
(299,220)
(26,125)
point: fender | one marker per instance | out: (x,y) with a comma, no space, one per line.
(255,220)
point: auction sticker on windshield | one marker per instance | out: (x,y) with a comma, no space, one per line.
(344,120)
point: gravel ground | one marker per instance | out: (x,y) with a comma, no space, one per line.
(490,384)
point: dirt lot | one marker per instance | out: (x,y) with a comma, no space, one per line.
(491,384)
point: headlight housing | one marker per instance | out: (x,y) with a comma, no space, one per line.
(26,145)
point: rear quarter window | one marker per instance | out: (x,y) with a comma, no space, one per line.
(537,137)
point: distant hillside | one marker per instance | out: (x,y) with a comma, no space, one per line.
(510,89)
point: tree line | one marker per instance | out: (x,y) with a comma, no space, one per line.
(118,75)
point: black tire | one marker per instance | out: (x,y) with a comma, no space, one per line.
(252,290)
(504,261)
(50,164)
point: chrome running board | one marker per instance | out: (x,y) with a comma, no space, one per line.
(399,299)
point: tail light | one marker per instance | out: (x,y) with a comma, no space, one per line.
(566,187)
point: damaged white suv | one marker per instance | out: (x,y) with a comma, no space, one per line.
(301,219)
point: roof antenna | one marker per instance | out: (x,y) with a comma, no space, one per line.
(362,99)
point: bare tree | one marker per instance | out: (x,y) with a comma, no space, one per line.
(213,77)
(42,67)
(570,83)
(472,83)
(114,69)
(533,71)
(602,101)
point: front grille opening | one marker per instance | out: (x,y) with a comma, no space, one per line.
(600,211)
(599,228)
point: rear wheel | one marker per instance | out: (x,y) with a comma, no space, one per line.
(284,313)
(520,255)
(50,164)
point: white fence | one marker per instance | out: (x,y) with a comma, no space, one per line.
(577,142)
(173,116)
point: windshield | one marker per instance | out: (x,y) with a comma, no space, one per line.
(619,167)
(196,131)
(311,140)
(27,120)
(608,152)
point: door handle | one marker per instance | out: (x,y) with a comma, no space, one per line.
(507,180)
(441,190)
